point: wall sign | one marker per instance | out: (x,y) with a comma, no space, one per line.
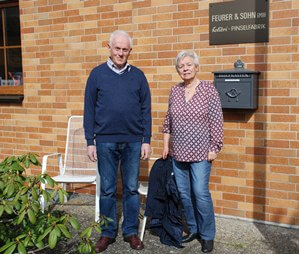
(239,21)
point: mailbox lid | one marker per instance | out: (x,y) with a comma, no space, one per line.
(238,70)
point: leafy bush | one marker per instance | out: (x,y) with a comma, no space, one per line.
(23,225)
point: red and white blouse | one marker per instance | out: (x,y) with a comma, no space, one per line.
(196,126)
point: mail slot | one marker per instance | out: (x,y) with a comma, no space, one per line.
(238,87)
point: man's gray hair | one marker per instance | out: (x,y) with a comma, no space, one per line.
(120,33)
(185,53)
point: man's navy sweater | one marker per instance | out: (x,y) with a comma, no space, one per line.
(117,107)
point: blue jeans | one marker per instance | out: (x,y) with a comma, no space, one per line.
(109,156)
(192,179)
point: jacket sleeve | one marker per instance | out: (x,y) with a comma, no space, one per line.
(145,98)
(215,121)
(89,108)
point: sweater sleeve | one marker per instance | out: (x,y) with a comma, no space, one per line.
(89,108)
(167,120)
(145,98)
(215,121)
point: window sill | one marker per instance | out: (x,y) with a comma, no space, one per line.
(11,94)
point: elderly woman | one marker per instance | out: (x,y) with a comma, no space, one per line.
(194,122)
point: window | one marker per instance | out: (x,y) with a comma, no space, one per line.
(11,74)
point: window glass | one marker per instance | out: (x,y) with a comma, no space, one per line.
(2,70)
(10,45)
(14,66)
(12,24)
(1,29)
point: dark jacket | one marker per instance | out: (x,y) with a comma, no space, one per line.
(163,204)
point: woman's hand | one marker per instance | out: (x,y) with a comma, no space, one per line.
(165,152)
(212,156)
(166,138)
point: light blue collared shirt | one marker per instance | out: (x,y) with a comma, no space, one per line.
(114,68)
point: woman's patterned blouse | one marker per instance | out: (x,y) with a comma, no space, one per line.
(196,126)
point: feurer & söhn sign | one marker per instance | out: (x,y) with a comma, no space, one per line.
(239,21)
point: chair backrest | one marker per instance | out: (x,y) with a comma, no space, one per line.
(76,160)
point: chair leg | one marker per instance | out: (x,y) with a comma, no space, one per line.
(42,203)
(98,193)
(143,228)
(63,185)
(97,204)
(121,220)
(42,199)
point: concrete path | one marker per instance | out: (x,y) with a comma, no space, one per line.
(233,236)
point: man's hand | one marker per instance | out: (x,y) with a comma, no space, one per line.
(212,156)
(145,151)
(92,153)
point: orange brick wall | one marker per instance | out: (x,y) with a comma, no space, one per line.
(256,175)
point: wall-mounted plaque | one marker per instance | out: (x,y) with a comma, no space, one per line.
(239,21)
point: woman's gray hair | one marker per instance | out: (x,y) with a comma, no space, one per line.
(120,33)
(185,53)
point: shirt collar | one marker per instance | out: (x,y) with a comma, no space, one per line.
(114,68)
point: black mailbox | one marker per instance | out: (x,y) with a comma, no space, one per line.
(238,87)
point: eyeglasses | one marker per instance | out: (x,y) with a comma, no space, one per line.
(118,50)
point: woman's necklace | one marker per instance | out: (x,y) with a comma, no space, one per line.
(190,90)
(191,87)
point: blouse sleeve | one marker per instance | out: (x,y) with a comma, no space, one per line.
(215,121)
(167,120)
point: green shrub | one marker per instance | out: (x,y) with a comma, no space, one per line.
(23,225)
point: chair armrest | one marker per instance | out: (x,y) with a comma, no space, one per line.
(45,161)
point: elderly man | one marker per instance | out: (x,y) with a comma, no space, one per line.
(117,124)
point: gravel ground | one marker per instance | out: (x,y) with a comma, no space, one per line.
(233,235)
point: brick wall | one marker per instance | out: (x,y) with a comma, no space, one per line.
(256,175)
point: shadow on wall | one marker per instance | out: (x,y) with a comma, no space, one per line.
(253,136)
(252,162)
(279,241)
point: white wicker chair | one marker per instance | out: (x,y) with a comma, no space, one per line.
(77,167)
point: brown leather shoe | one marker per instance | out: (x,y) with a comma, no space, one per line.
(135,242)
(103,243)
